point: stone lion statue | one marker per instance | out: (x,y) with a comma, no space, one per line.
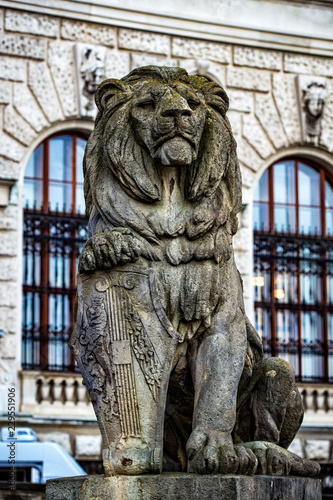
(163,190)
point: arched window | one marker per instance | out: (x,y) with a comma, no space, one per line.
(54,233)
(293,266)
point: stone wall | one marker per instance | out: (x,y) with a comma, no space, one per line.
(39,95)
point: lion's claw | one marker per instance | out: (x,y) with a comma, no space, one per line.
(207,455)
(106,250)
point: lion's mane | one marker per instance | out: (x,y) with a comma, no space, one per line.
(131,164)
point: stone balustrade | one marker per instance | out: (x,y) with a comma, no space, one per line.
(54,393)
(63,394)
(318,403)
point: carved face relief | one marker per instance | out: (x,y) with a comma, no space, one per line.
(168,121)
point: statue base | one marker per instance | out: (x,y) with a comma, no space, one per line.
(182,487)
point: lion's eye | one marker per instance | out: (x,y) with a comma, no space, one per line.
(193,103)
(147,105)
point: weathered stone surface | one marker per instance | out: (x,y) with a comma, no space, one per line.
(88,32)
(8,243)
(269,119)
(1,19)
(254,134)
(247,179)
(326,137)
(25,46)
(86,445)
(240,100)
(26,105)
(9,269)
(309,65)
(317,449)
(247,155)
(42,86)
(9,169)
(9,319)
(257,58)
(5,92)
(8,294)
(117,64)
(250,79)
(9,346)
(62,438)
(12,69)
(10,148)
(138,60)
(143,41)
(284,91)
(235,119)
(159,297)
(36,24)
(17,127)
(185,47)
(61,63)
(204,67)
(184,486)
(9,214)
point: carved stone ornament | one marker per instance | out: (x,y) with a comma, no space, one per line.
(311,98)
(174,368)
(90,68)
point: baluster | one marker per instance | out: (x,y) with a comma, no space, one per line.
(45,391)
(330,400)
(57,391)
(310,400)
(69,391)
(81,394)
(320,400)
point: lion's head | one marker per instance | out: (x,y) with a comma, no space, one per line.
(156,117)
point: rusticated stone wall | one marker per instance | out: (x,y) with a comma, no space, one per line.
(39,95)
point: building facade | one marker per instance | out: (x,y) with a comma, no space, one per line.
(275,60)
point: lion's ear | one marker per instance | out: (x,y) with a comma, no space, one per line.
(108,89)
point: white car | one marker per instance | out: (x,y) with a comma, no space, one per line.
(34,461)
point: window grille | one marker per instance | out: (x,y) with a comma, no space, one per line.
(293,268)
(53,235)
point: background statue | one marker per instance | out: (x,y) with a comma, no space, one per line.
(162,190)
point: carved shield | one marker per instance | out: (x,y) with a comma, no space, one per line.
(124,346)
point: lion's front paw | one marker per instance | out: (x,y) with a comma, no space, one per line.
(106,250)
(208,456)
(277,461)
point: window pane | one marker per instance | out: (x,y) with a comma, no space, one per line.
(285,219)
(330,345)
(328,195)
(312,363)
(260,217)
(284,182)
(262,324)
(261,191)
(60,158)
(310,276)
(32,194)
(60,196)
(80,147)
(80,203)
(287,327)
(308,185)
(309,220)
(329,222)
(34,167)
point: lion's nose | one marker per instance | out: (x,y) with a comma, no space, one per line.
(173,104)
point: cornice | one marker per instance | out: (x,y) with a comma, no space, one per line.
(101,11)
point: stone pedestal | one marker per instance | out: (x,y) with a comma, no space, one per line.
(183,487)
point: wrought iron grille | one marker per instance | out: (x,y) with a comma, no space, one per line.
(293,283)
(52,244)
